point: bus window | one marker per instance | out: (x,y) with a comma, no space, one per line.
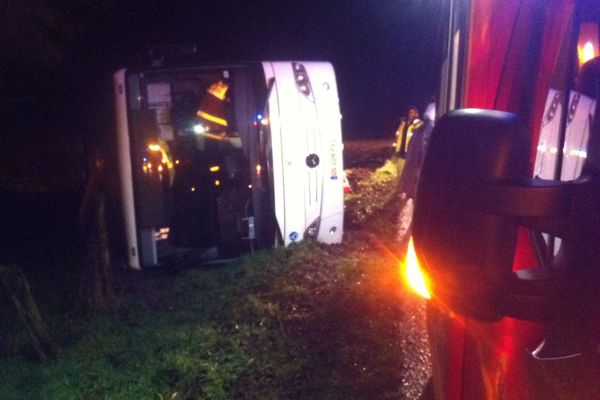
(192,186)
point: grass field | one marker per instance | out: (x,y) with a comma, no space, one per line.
(305,322)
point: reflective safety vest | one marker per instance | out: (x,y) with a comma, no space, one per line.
(212,108)
(404,134)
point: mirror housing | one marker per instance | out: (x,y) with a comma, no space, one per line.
(473,193)
(468,254)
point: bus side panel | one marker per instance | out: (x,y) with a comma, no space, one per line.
(125,173)
(322,78)
(293,126)
(306,139)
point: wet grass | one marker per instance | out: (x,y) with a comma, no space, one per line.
(305,322)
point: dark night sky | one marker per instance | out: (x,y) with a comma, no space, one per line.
(58,55)
(385,52)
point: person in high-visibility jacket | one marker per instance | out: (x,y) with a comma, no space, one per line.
(405,131)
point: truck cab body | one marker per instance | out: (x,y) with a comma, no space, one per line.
(506,216)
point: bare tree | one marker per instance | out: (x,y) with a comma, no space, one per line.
(17,287)
(97,284)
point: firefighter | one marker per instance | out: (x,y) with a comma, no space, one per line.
(212,107)
(407,128)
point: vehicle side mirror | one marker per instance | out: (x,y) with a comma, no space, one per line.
(473,193)
(468,254)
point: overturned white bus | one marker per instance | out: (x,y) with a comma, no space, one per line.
(215,161)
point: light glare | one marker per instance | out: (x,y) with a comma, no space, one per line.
(588,52)
(413,273)
(199,129)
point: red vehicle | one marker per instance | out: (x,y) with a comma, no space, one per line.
(506,232)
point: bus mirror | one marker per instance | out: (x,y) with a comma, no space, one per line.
(468,254)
